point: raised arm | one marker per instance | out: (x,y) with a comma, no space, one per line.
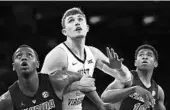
(111,65)
(161,97)
(6,101)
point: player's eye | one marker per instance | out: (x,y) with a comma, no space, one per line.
(141,55)
(150,55)
(18,56)
(30,55)
(71,20)
(80,19)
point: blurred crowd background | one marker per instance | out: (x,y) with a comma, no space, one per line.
(121,25)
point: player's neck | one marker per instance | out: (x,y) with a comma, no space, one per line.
(78,43)
(29,86)
(145,76)
(76,47)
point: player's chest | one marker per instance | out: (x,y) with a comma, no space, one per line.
(42,101)
(138,97)
(76,65)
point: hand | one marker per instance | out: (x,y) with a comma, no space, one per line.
(107,106)
(146,95)
(114,61)
(87,84)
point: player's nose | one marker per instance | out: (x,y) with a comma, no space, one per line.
(145,57)
(77,24)
(24,58)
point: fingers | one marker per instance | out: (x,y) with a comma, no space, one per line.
(121,59)
(109,106)
(92,88)
(149,100)
(88,89)
(90,81)
(117,57)
(113,54)
(87,81)
(109,55)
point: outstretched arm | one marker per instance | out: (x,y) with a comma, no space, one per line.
(111,65)
(86,84)
(116,92)
(61,79)
(98,101)
(6,101)
(161,97)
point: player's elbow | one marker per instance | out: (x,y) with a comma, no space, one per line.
(105,98)
(109,98)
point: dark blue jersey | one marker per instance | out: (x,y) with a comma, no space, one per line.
(44,99)
(135,101)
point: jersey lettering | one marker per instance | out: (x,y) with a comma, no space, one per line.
(84,71)
(136,96)
(76,101)
(139,106)
(48,105)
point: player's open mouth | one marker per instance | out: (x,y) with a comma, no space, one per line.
(24,64)
(78,29)
(144,62)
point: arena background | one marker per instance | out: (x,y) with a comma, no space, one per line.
(121,25)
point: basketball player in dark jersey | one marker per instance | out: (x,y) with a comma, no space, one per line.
(142,92)
(34,91)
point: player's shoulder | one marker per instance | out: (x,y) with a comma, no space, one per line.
(5,99)
(93,49)
(56,51)
(6,96)
(54,60)
(160,90)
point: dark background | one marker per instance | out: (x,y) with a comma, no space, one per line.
(38,24)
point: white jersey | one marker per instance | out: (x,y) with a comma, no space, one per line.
(73,100)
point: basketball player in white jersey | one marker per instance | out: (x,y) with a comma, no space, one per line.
(74,55)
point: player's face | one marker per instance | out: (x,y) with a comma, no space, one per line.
(75,26)
(25,61)
(145,59)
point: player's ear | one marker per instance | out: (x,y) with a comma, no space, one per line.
(38,64)
(13,67)
(64,32)
(156,64)
(135,63)
(88,27)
